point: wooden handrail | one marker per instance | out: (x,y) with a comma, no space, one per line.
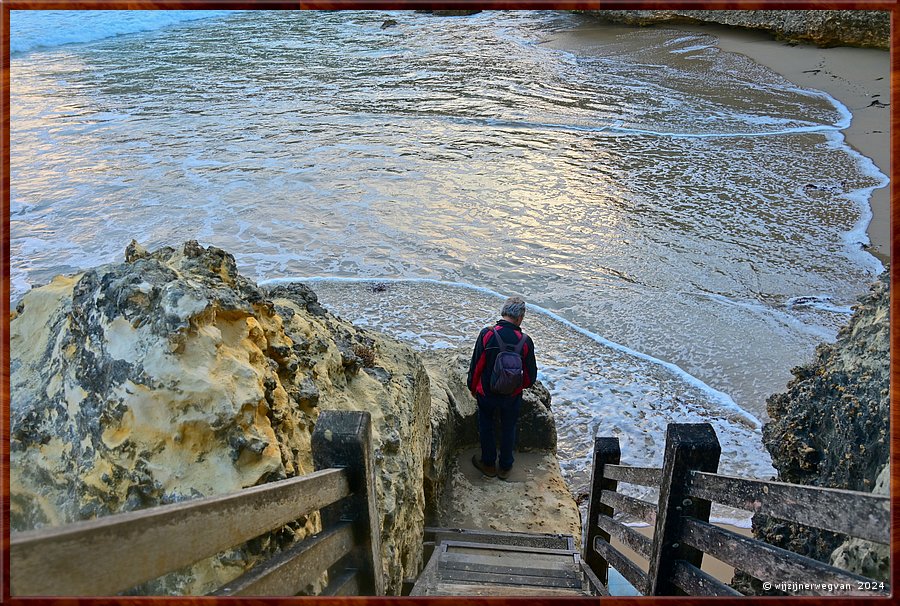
(642,510)
(292,570)
(345,583)
(694,581)
(863,515)
(629,537)
(689,446)
(687,488)
(643,476)
(110,554)
(769,563)
(595,585)
(628,569)
(606,454)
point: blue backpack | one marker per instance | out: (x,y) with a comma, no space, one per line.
(508,373)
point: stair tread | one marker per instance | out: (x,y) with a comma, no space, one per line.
(485,569)
(463,589)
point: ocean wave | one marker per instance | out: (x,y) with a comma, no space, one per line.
(34,30)
(721,398)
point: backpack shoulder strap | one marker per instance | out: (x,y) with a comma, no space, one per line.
(521,344)
(500,342)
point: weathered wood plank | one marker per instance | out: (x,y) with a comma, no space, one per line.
(689,447)
(291,571)
(472,576)
(521,539)
(344,584)
(465,547)
(644,476)
(642,510)
(694,581)
(344,438)
(594,585)
(769,563)
(857,514)
(468,590)
(631,538)
(111,554)
(606,453)
(523,565)
(628,569)
(428,578)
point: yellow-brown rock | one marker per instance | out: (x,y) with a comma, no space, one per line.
(170,376)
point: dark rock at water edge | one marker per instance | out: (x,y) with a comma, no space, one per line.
(863,28)
(299,293)
(831,428)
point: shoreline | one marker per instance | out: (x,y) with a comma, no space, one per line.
(858,78)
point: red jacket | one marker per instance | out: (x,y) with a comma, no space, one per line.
(485,353)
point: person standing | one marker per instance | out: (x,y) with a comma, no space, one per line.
(497,385)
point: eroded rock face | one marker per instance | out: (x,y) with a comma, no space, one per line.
(170,376)
(871,29)
(830,428)
(863,557)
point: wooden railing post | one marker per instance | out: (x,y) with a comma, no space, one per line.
(606,452)
(344,439)
(689,447)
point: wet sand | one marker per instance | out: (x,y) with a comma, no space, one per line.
(710,565)
(858,78)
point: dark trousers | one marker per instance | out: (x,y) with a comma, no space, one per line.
(508,407)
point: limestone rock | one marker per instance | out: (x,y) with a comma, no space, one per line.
(864,28)
(171,376)
(869,559)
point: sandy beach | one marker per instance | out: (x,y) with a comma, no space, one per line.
(710,565)
(859,78)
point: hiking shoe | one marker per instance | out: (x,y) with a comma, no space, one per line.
(488,470)
(503,474)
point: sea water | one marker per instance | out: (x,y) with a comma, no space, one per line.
(685,224)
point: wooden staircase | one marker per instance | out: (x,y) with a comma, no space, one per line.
(481,563)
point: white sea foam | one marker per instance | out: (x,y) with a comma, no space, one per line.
(618,220)
(857,239)
(688,49)
(820,302)
(785,319)
(720,397)
(616,128)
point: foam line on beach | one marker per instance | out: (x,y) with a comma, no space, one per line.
(720,397)
(616,128)
(820,302)
(857,238)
